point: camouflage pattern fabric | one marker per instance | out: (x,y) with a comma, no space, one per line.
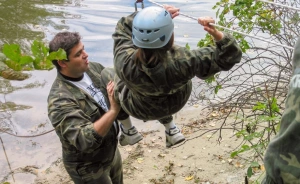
(151,93)
(282,158)
(96,173)
(72,113)
(8,73)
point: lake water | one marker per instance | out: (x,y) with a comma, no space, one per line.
(23,21)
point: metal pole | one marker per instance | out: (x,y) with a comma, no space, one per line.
(245,34)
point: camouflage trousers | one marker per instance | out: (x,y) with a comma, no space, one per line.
(268,180)
(162,113)
(96,173)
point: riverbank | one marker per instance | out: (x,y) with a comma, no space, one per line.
(201,159)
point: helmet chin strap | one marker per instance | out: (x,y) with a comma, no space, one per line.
(244,34)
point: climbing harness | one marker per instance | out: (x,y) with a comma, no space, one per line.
(138,1)
(244,34)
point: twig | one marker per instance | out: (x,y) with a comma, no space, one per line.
(12,174)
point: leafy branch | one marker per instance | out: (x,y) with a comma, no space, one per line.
(39,60)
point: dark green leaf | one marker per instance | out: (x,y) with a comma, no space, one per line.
(249,172)
(233,154)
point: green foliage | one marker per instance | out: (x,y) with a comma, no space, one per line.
(210,79)
(207,41)
(250,169)
(256,133)
(247,14)
(187,46)
(16,60)
(40,53)
(217,88)
(40,59)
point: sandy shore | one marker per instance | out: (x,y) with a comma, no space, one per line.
(201,159)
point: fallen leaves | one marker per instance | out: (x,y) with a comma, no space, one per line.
(140,160)
(188,178)
(161,155)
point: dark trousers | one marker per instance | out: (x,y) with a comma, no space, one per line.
(95,173)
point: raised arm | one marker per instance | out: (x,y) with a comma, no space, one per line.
(78,127)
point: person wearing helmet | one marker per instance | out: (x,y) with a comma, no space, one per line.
(154,75)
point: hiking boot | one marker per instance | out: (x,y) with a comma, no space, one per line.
(174,136)
(131,137)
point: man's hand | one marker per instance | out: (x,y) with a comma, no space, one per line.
(204,21)
(110,91)
(172,10)
(104,123)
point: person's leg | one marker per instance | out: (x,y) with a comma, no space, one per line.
(116,172)
(90,173)
(173,134)
(129,134)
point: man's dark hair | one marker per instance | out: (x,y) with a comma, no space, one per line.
(64,40)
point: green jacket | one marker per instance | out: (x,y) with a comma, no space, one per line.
(72,113)
(156,92)
(282,158)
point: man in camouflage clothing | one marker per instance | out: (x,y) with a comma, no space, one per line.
(155,89)
(282,158)
(83,111)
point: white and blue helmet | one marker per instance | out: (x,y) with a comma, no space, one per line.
(152,28)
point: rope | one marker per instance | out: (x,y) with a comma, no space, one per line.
(277,4)
(245,34)
(138,1)
(27,136)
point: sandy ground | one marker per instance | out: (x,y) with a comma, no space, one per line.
(201,159)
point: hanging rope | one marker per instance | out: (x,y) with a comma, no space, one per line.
(27,136)
(282,5)
(138,1)
(245,34)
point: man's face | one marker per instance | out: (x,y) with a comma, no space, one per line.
(78,61)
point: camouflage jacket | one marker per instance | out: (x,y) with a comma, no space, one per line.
(72,113)
(153,92)
(282,158)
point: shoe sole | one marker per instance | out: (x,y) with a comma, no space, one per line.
(141,138)
(168,144)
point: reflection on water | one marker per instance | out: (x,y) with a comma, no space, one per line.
(21,20)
